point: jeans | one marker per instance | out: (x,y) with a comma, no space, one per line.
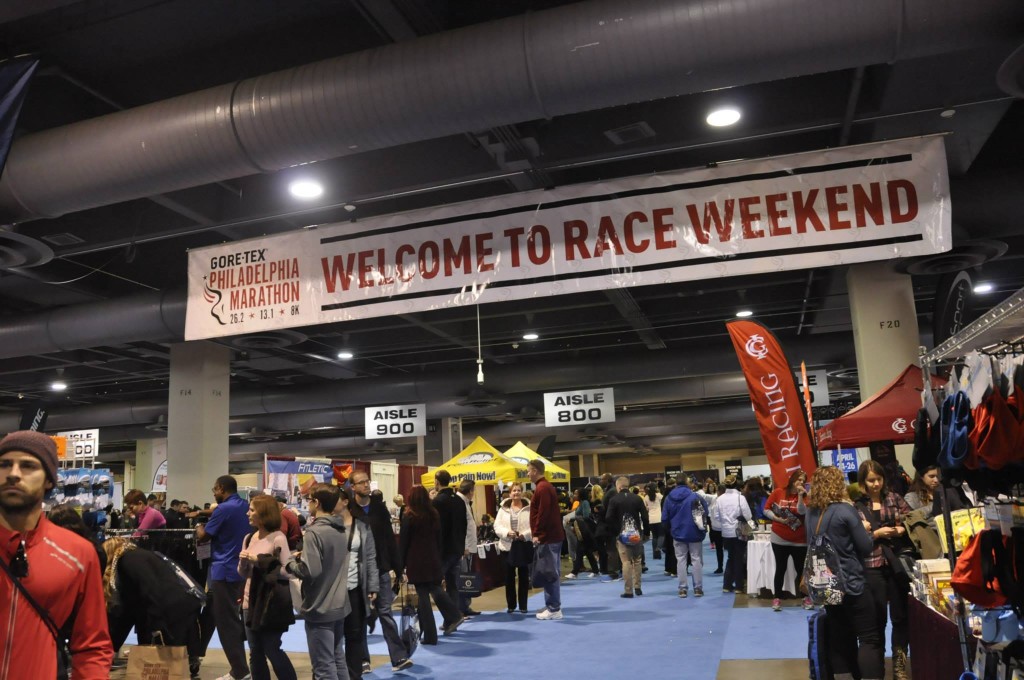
(266,645)
(854,640)
(884,590)
(716,538)
(782,554)
(736,564)
(388,625)
(226,595)
(326,642)
(656,541)
(516,592)
(629,555)
(696,553)
(552,591)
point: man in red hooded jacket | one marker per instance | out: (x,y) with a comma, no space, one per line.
(60,570)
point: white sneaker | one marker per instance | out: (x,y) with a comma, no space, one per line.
(591,574)
(548,615)
(570,576)
(228,676)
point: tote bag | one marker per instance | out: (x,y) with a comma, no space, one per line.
(158,662)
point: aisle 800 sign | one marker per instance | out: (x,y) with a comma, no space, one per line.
(580,407)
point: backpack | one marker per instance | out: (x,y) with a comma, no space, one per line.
(701,519)
(185,580)
(823,573)
(629,535)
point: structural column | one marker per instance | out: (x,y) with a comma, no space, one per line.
(885,330)
(197,432)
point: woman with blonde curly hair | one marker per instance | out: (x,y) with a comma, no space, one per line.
(144,591)
(830,512)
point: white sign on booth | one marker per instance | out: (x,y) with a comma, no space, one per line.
(407,420)
(817,385)
(580,407)
(82,444)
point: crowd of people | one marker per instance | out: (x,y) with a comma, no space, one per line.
(346,567)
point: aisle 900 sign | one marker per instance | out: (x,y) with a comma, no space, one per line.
(408,420)
(580,407)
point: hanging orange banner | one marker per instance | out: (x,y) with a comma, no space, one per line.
(780,414)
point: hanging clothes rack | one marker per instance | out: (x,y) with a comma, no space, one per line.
(998,332)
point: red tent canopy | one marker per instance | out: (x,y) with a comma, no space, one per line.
(887,416)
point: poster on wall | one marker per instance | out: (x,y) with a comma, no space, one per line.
(293,478)
(816,209)
(160,478)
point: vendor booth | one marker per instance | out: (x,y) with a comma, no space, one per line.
(887,416)
(521,453)
(482,463)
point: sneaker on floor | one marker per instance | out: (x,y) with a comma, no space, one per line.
(570,576)
(638,591)
(776,605)
(726,590)
(367,667)
(470,612)
(524,611)
(683,592)
(698,592)
(808,604)
(592,574)
(717,571)
(643,570)
(401,665)
(228,676)
(548,615)
(627,595)
(616,578)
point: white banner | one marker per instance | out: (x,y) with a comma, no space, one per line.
(819,209)
(580,407)
(83,445)
(817,385)
(383,422)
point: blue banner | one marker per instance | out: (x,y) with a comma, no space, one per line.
(14,77)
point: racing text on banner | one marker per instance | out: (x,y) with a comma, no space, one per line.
(777,402)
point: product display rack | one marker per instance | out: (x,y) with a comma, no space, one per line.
(997,332)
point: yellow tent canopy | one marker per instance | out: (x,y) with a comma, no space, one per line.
(482,463)
(524,454)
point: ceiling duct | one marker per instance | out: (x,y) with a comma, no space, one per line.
(478,398)
(258,435)
(569,59)
(160,425)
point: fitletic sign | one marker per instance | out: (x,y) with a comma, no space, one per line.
(856,204)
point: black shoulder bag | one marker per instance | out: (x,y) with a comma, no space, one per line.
(63,651)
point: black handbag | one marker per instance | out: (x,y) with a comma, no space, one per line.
(469,580)
(520,554)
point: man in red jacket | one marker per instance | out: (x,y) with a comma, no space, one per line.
(59,569)
(546,526)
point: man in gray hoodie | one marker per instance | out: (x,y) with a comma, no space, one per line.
(325,602)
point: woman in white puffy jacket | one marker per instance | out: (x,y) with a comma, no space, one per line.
(512,526)
(731,509)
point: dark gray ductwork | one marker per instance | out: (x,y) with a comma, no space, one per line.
(655,377)
(155,317)
(565,60)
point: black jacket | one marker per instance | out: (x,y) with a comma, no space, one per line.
(452,510)
(626,504)
(379,519)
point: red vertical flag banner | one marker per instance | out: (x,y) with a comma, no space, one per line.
(780,413)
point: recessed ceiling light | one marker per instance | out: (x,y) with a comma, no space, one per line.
(983,288)
(723,117)
(530,336)
(306,188)
(345,355)
(948,113)
(744,313)
(58,386)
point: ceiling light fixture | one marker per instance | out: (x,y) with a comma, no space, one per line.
(346,355)
(982,288)
(744,313)
(479,351)
(306,189)
(58,386)
(530,336)
(723,117)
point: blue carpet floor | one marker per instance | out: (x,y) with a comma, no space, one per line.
(602,631)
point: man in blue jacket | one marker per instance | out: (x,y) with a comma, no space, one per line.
(686,516)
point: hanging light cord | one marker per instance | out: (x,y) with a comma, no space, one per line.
(479,351)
